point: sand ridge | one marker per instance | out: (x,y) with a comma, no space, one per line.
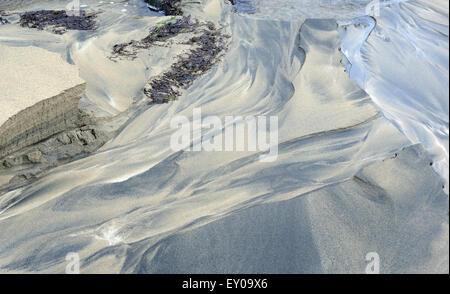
(30,75)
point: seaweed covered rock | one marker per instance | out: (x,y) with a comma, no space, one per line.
(187,69)
(164,31)
(58,20)
(206,46)
(169,7)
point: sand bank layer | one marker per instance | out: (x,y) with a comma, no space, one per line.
(39,96)
(42,120)
(30,75)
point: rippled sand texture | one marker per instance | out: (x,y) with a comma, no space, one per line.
(346,182)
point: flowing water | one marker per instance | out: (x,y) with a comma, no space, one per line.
(136,205)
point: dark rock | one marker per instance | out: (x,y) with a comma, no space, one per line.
(155,5)
(3,21)
(169,7)
(86,137)
(8,163)
(11,161)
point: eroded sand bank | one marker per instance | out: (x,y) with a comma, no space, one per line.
(40,101)
(31,75)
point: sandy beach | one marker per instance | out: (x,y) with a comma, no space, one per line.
(32,75)
(361,154)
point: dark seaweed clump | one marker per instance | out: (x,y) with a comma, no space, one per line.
(208,44)
(187,69)
(59,20)
(161,33)
(169,7)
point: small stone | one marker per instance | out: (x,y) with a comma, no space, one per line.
(35,156)
(8,163)
(64,139)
